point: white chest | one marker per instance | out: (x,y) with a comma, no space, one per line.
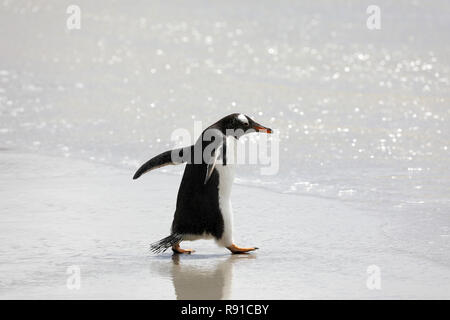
(226,178)
(226,173)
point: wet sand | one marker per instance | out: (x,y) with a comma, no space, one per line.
(56,213)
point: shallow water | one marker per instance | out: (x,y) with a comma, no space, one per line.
(363,115)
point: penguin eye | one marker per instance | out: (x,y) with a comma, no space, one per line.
(242,120)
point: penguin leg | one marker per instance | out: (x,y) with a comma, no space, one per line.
(235,249)
(176,249)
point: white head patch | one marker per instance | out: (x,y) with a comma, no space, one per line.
(242,118)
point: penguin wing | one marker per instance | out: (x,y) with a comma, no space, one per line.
(176,156)
(212,162)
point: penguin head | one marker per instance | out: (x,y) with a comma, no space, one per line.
(238,124)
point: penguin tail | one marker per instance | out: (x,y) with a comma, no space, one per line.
(164,244)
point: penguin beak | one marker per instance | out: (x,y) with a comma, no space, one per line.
(261,128)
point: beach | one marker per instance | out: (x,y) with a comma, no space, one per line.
(58,213)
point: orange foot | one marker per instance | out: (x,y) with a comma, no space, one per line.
(235,249)
(176,249)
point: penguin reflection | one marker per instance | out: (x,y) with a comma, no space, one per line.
(203,282)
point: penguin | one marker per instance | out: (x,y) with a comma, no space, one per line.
(203,208)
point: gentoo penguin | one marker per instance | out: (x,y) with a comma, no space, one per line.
(203,209)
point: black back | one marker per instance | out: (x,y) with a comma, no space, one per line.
(198,203)
(197,209)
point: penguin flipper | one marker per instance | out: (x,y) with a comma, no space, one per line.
(212,163)
(176,156)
